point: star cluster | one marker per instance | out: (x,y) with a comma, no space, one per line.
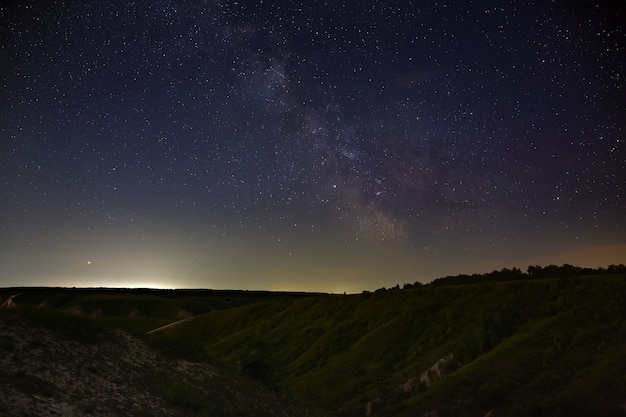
(307,145)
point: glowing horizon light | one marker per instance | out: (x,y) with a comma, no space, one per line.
(138,283)
(134,285)
(148,285)
(96,282)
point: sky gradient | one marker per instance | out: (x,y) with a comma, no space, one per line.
(324,146)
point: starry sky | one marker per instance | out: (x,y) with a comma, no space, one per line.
(307,145)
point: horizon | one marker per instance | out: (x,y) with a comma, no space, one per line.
(356,292)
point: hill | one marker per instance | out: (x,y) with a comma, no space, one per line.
(136,310)
(498,344)
(53,363)
(552,346)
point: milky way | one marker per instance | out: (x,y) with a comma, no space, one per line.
(311,146)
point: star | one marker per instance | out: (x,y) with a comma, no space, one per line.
(356,134)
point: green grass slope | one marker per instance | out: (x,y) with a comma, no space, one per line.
(520,348)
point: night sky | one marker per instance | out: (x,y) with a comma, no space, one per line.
(316,146)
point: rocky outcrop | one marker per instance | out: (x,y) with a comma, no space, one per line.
(183,314)
(430,375)
(369,406)
(436,372)
(9,302)
(113,373)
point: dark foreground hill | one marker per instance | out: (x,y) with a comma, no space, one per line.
(56,364)
(522,348)
(526,347)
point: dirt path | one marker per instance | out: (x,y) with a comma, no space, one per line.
(176,323)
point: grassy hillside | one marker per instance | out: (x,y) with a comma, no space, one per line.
(519,348)
(501,344)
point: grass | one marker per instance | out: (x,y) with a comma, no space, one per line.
(520,348)
(536,342)
(137,326)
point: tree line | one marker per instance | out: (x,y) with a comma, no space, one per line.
(532,272)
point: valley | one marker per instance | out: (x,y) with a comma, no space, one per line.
(528,346)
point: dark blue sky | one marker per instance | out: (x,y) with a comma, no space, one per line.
(308,146)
